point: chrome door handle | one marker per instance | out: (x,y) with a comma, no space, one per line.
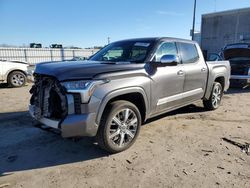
(203,70)
(180,73)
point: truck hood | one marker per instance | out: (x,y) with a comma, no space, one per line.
(83,69)
(236,52)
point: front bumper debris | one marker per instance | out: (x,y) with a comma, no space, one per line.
(72,126)
(46,121)
(51,105)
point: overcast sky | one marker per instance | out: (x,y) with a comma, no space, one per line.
(87,23)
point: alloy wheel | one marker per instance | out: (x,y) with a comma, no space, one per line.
(216,97)
(123,127)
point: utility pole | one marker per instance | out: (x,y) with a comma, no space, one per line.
(215,5)
(194,19)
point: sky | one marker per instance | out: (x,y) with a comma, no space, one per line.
(88,23)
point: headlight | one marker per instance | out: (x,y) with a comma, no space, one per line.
(84,87)
(76,85)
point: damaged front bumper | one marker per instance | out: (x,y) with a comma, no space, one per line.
(72,126)
(52,106)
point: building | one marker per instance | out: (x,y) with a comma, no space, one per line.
(227,27)
(197,37)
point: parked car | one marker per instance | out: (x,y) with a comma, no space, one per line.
(239,57)
(123,85)
(13,72)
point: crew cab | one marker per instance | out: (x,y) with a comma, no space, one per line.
(121,86)
(13,72)
(239,56)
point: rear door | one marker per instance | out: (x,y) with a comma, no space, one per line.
(196,72)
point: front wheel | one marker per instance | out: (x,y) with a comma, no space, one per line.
(119,127)
(214,100)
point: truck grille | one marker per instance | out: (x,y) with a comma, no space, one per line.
(49,98)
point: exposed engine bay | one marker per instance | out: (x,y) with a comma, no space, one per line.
(48,98)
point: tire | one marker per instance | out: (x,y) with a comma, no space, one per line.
(119,127)
(17,79)
(214,100)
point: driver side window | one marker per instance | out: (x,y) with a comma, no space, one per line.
(166,48)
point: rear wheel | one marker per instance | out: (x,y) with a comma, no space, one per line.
(17,79)
(119,127)
(215,97)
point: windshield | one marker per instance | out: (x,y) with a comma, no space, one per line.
(124,51)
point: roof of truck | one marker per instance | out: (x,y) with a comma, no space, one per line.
(157,39)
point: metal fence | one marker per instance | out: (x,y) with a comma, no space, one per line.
(37,55)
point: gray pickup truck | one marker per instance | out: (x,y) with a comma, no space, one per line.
(121,86)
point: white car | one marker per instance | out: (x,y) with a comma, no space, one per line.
(13,72)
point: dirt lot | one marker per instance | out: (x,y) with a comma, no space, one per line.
(179,149)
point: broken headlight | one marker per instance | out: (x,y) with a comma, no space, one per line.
(84,87)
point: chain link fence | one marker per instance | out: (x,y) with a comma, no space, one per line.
(37,55)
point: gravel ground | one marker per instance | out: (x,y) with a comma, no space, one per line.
(179,149)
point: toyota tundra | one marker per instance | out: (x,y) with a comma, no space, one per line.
(127,82)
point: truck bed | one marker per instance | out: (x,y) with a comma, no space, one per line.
(217,69)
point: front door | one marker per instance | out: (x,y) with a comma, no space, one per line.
(167,82)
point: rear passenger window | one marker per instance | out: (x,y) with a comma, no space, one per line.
(189,53)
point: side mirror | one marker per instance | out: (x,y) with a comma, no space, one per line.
(169,60)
